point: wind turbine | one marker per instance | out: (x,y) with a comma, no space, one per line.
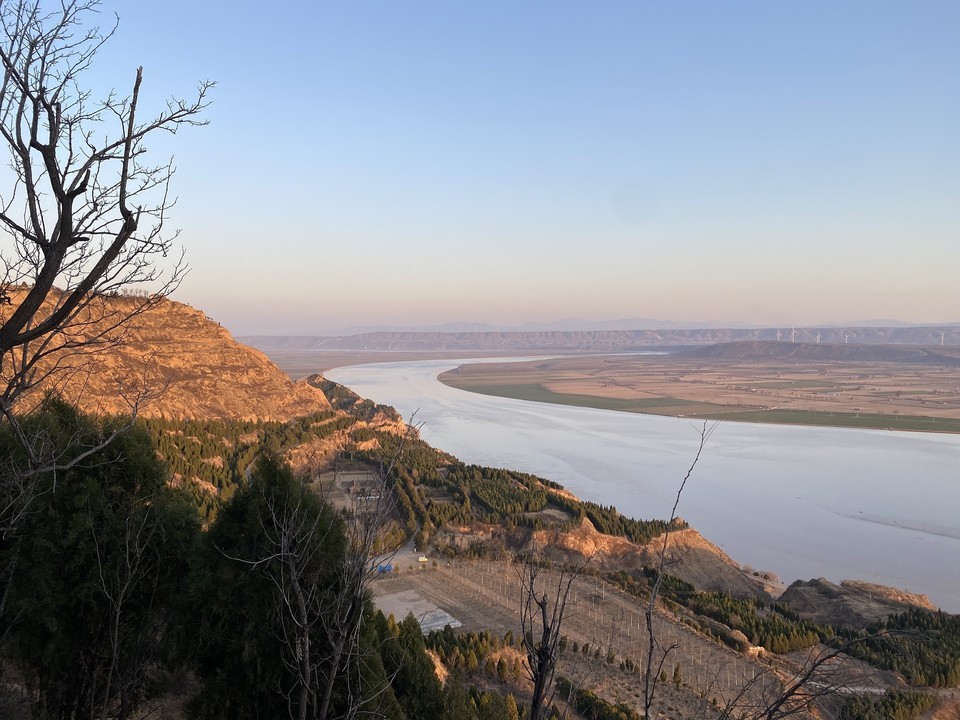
(793,335)
(942,333)
(778,334)
(818,337)
(846,337)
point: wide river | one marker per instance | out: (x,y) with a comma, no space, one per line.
(802,502)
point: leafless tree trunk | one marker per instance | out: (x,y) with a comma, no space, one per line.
(365,552)
(82,222)
(822,680)
(296,536)
(823,676)
(118,582)
(543,603)
(657,652)
(337,609)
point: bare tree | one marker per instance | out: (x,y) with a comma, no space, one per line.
(132,566)
(543,603)
(783,690)
(819,682)
(657,652)
(296,535)
(322,610)
(341,615)
(87,627)
(82,218)
(118,584)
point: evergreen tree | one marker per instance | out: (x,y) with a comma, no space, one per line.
(99,561)
(512,711)
(418,690)
(457,704)
(472,662)
(254,656)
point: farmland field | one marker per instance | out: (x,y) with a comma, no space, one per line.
(882,395)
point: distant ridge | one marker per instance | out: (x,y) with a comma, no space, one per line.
(626,324)
(606,340)
(562,325)
(818,352)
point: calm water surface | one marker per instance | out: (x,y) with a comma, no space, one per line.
(802,502)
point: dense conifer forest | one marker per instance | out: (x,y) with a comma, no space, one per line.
(433,489)
(176,550)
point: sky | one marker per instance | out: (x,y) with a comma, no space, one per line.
(411,163)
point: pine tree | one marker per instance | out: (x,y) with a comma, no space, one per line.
(472,662)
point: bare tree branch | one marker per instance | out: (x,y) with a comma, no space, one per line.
(83,248)
(822,680)
(310,606)
(74,218)
(543,605)
(657,653)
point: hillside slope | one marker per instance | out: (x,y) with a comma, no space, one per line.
(851,604)
(176,363)
(691,557)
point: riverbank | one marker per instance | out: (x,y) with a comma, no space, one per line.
(803,502)
(299,364)
(875,395)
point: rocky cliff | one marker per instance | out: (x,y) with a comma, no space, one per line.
(171,361)
(690,557)
(851,604)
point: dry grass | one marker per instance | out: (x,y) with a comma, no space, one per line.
(485,596)
(853,394)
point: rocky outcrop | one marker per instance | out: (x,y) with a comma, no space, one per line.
(175,362)
(851,604)
(689,556)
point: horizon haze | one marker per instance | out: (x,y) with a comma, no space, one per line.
(577,325)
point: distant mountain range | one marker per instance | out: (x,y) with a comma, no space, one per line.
(564,325)
(605,340)
(578,325)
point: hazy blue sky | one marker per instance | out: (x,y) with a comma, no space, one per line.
(507,162)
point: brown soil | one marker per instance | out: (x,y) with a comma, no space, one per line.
(731,386)
(175,362)
(485,596)
(851,604)
(690,557)
(949,708)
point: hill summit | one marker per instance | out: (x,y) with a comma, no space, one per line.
(172,361)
